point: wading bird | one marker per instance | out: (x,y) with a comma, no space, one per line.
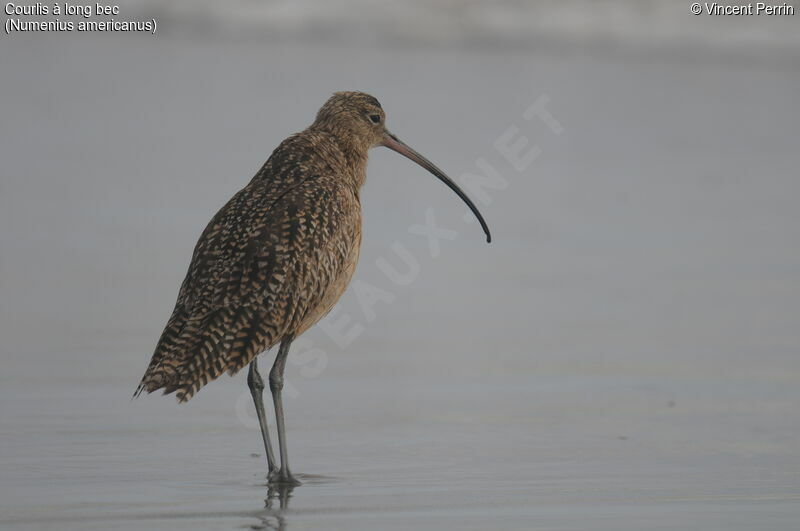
(276,258)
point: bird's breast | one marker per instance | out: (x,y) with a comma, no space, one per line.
(340,280)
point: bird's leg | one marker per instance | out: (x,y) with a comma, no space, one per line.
(256,385)
(276,386)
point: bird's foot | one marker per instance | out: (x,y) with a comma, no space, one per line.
(282,477)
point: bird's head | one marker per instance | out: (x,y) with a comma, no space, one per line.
(354,116)
(360,119)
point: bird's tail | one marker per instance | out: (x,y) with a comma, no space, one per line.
(192,352)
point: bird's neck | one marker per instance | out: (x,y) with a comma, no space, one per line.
(349,154)
(357,163)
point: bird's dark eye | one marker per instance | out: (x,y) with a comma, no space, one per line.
(376,118)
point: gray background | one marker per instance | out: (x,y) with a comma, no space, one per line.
(624,355)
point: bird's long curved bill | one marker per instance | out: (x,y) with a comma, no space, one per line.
(394,143)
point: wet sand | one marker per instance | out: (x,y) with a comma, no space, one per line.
(624,355)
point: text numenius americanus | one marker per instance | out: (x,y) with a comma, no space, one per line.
(276,258)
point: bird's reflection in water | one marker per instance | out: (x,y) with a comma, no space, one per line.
(277,501)
(278,496)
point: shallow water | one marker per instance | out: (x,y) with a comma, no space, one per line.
(623,355)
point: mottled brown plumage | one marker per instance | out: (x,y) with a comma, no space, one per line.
(276,258)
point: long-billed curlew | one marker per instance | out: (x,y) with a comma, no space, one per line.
(276,258)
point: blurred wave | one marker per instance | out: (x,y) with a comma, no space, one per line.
(627,23)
